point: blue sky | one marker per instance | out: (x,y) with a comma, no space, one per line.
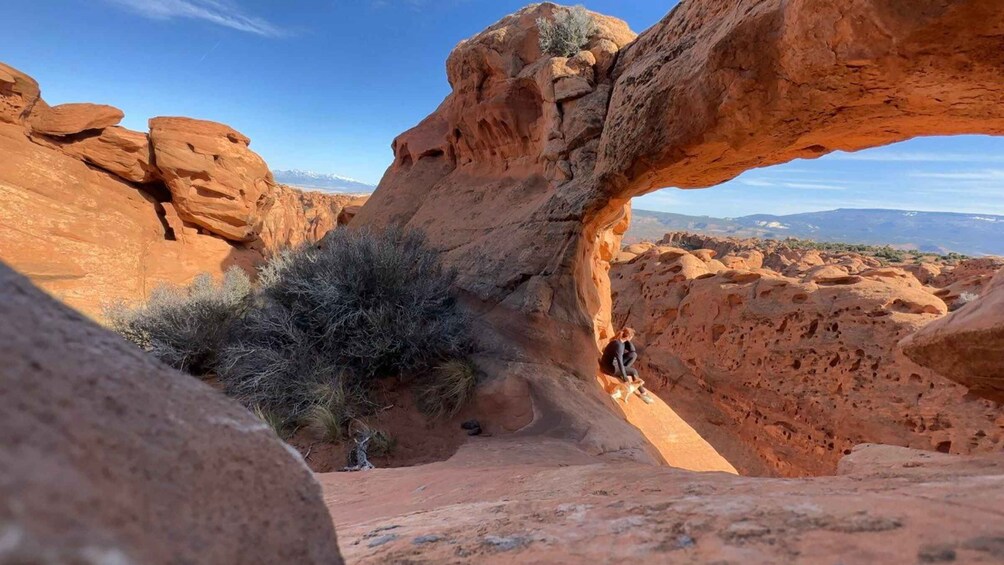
(326,85)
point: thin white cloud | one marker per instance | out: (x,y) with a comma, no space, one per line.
(812,186)
(769,183)
(980,175)
(220,12)
(913,157)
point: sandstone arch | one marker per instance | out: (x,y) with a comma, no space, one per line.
(529,203)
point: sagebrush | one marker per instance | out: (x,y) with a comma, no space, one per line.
(372,303)
(186,327)
(568,33)
(304,347)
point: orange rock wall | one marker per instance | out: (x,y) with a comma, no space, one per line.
(786,374)
(95,213)
(521,173)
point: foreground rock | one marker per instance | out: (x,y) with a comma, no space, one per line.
(531,500)
(107,456)
(785,374)
(967,346)
(95,213)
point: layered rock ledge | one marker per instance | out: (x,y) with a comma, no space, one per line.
(95,213)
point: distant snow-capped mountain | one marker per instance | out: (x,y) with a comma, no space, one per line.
(936,232)
(321,181)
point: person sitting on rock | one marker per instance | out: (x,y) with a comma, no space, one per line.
(619,357)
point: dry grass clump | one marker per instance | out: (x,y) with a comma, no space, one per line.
(272,420)
(185,327)
(337,405)
(449,388)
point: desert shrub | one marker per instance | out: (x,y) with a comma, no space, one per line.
(889,254)
(568,33)
(185,326)
(329,319)
(448,389)
(269,362)
(372,303)
(324,322)
(269,271)
(963,299)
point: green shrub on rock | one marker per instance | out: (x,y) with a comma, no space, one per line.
(568,33)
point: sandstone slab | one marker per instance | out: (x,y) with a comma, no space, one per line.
(117,150)
(536,500)
(967,346)
(107,456)
(70,119)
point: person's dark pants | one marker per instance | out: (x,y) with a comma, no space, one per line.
(630,358)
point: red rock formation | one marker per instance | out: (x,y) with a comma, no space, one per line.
(86,236)
(723,87)
(291,216)
(18,95)
(216,182)
(967,346)
(517,128)
(70,119)
(120,151)
(714,89)
(196,199)
(107,456)
(785,374)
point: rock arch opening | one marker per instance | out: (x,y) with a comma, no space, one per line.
(781,356)
(538,201)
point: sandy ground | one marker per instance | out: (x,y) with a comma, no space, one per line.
(416,439)
(533,499)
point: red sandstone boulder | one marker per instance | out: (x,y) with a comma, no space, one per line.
(215,181)
(18,94)
(88,237)
(117,150)
(107,456)
(967,346)
(70,119)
